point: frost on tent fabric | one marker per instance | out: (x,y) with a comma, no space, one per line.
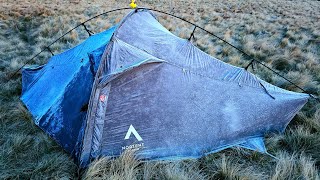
(57,93)
(158,93)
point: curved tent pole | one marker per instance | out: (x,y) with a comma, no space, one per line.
(240,50)
(47,47)
(172,15)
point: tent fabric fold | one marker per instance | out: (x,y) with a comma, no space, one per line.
(255,144)
(149,90)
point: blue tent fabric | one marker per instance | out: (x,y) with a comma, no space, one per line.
(150,90)
(255,144)
(29,75)
(95,57)
(56,94)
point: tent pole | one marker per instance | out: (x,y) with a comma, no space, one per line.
(172,15)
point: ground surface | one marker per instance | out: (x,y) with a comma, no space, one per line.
(285,35)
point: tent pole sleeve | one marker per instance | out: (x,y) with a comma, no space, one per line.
(266,91)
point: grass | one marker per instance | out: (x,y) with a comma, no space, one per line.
(285,35)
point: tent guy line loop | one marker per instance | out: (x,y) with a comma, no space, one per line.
(88,31)
(192,34)
(48,48)
(265,89)
(250,64)
(172,15)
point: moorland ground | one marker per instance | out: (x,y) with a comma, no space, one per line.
(283,34)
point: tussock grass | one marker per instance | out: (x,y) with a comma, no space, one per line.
(285,35)
(226,167)
(295,167)
(128,167)
(124,167)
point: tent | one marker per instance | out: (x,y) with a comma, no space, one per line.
(138,86)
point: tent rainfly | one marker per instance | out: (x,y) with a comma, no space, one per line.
(138,86)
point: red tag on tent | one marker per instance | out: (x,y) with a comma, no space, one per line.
(102,97)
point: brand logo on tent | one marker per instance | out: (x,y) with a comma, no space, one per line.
(133,131)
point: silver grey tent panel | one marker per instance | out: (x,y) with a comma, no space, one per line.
(159,93)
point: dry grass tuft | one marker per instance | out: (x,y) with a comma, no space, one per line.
(124,167)
(295,167)
(128,167)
